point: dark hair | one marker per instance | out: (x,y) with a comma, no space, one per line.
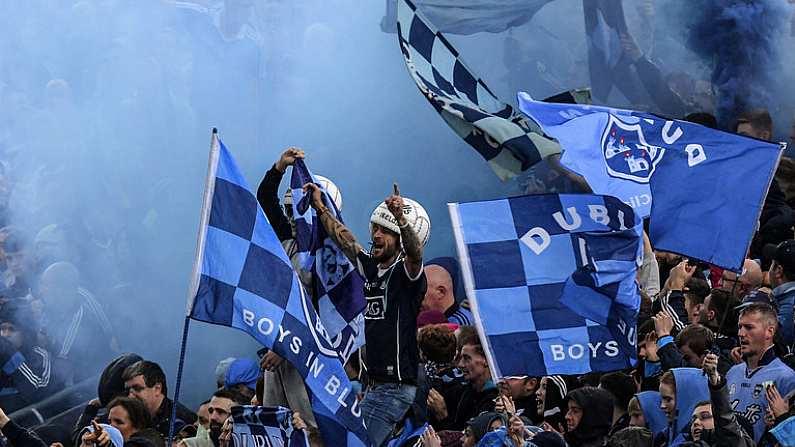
(20,314)
(259,390)
(722,302)
(703,402)
(703,118)
(232,395)
(759,119)
(644,328)
(621,386)
(631,437)
(437,342)
(152,372)
(139,417)
(468,335)
(696,337)
(764,309)
(696,289)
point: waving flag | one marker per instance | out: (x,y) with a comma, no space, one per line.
(509,141)
(702,188)
(338,288)
(470,16)
(265,426)
(243,279)
(552,281)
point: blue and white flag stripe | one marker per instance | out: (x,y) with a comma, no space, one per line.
(337,285)
(243,279)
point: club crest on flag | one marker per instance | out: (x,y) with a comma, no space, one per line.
(335,264)
(627,153)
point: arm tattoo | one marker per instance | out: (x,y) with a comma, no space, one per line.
(341,236)
(413,249)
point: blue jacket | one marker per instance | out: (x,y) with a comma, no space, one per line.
(785,297)
(785,432)
(656,421)
(691,388)
(747,388)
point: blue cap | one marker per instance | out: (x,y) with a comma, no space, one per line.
(245,371)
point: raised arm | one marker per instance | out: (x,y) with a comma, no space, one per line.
(268,193)
(336,230)
(411,243)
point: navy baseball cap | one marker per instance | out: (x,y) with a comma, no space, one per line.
(757,296)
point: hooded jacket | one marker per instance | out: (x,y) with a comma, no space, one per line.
(597,417)
(558,387)
(727,431)
(691,388)
(656,421)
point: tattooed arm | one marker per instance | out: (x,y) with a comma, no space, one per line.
(409,238)
(336,230)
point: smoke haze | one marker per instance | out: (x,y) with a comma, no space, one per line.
(108,105)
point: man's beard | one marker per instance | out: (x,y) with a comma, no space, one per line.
(386,254)
(215,433)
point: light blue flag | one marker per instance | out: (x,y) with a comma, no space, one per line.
(551,280)
(242,278)
(702,188)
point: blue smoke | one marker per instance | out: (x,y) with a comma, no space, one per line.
(741,39)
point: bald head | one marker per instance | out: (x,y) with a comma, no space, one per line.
(752,274)
(59,280)
(750,279)
(439,295)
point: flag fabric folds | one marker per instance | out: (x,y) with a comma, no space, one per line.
(551,280)
(702,188)
(508,141)
(265,426)
(242,278)
(338,287)
(470,16)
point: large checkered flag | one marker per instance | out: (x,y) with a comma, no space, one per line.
(508,140)
(551,280)
(242,278)
(337,286)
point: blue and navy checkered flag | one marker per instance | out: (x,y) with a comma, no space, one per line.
(242,278)
(689,179)
(509,141)
(551,280)
(265,426)
(337,286)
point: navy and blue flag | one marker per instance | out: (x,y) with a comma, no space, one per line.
(508,141)
(265,426)
(338,287)
(242,278)
(551,280)
(689,179)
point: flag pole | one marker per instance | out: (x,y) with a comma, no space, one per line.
(172,422)
(194,284)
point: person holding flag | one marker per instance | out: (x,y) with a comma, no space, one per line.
(283,383)
(394,288)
